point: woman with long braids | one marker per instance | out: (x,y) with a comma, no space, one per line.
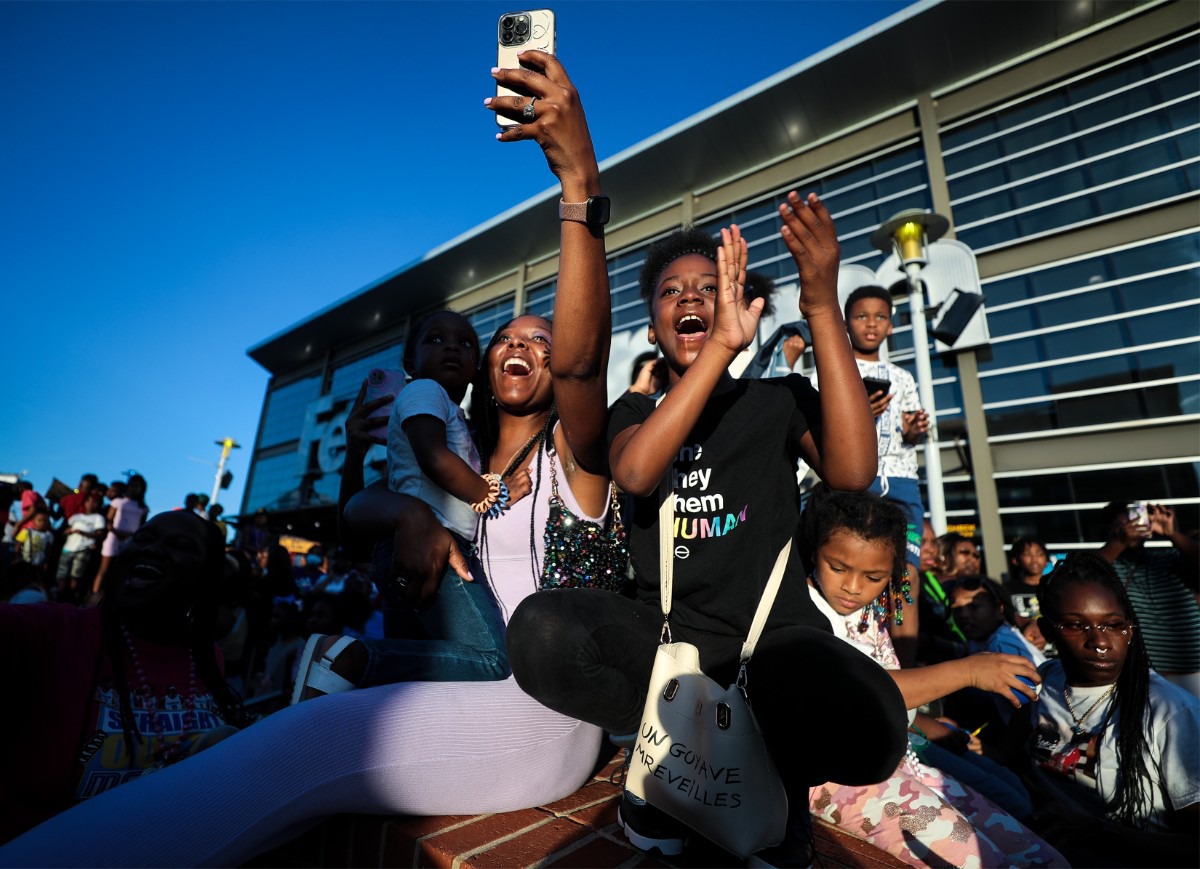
(1113,744)
(424,748)
(107,694)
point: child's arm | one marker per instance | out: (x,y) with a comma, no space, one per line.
(846,456)
(641,455)
(987,671)
(427,435)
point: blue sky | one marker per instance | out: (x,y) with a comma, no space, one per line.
(180,180)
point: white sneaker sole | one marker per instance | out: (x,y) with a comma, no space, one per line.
(671,847)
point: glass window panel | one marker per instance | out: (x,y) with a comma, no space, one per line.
(1109,407)
(488,318)
(540,300)
(275,478)
(283,417)
(348,376)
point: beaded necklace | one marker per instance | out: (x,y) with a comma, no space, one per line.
(164,754)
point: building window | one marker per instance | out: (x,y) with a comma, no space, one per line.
(348,376)
(489,317)
(283,418)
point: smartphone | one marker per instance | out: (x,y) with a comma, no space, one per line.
(876,384)
(1139,513)
(381,382)
(517,32)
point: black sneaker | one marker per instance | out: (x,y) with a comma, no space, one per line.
(648,828)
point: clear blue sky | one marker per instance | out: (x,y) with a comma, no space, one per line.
(180,180)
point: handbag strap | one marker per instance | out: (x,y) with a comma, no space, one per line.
(666,567)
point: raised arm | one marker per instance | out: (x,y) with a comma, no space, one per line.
(987,671)
(582,307)
(846,456)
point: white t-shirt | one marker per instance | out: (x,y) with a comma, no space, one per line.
(85,522)
(1084,766)
(896,458)
(428,398)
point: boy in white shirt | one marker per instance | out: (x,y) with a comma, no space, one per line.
(84,529)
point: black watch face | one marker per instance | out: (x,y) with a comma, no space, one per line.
(597,211)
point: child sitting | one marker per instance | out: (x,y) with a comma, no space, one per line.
(432,456)
(981,613)
(853,545)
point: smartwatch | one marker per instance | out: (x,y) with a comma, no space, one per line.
(594,212)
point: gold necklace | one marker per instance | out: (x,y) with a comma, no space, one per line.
(1078,728)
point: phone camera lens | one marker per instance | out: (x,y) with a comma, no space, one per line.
(522,27)
(507,22)
(506,38)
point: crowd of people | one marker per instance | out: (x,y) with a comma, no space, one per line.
(482,632)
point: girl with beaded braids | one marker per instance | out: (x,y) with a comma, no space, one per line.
(854,546)
(1113,745)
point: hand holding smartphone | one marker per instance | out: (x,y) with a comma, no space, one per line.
(517,32)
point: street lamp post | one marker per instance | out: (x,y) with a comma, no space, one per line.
(227,446)
(908,234)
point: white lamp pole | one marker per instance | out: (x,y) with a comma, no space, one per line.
(907,234)
(227,446)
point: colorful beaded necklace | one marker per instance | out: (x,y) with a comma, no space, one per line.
(164,754)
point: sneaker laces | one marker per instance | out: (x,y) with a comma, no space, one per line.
(621,773)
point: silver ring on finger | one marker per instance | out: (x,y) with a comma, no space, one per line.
(529,113)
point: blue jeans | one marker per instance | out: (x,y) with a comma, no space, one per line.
(906,494)
(461,637)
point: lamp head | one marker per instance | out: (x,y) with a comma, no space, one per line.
(908,232)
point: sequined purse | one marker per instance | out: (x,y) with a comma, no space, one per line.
(580,553)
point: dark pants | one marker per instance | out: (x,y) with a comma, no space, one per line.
(827,711)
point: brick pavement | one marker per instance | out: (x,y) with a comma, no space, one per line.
(578,831)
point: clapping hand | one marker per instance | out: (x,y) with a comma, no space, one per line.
(810,236)
(736,321)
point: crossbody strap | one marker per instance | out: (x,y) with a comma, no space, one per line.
(666,573)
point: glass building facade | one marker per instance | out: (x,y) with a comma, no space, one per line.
(1095,333)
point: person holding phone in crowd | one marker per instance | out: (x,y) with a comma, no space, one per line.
(900,424)
(415,747)
(1161,584)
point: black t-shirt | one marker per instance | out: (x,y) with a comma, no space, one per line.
(736,504)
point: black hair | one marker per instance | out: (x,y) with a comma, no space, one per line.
(417,328)
(1021,544)
(484,412)
(1130,804)
(871,518)
(759,286)
(665,251)
(89,478)
(201,635)
(867,292)
(973,581)
(1112,516)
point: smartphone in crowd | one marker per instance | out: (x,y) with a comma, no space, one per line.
(381,382)
(876,384)
(1139,513)
(517,32)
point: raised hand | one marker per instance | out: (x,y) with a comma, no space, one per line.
(360,424)
(810,236)
(736,321)
(558,123)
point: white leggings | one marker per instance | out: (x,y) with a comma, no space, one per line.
(414,748)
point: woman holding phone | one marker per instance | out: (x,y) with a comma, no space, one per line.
(412,748)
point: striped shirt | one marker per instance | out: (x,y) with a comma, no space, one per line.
(1167,614)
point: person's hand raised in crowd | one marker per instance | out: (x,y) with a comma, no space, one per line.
(810,236)
(559,125)
(793,348)
(915,425)
(735,323)
(998,673)
(360,423)
(1162,520)
(650,377)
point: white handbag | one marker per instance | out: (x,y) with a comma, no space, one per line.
(700,755)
